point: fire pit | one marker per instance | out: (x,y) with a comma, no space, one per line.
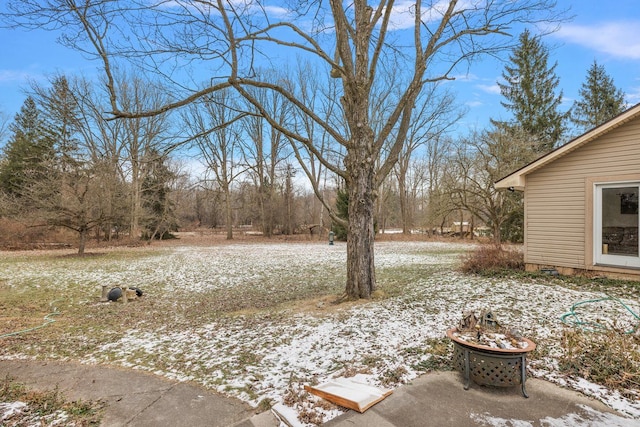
(490,358)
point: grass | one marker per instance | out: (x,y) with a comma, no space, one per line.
(393,281)
(218,314)
(85,324)
(81,314)
(609,358)
(42,406)
(504,261)
(614,287)
(439,354)
(26,302)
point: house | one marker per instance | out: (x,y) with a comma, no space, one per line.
(581,202)
(457,227)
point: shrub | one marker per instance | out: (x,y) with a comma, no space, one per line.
(491,259)
(17,235)
(609,358)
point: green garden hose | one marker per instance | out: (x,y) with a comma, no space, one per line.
(47,320)
(572,319)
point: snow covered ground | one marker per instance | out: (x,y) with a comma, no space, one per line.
(268,355)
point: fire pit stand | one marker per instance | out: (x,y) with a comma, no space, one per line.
(490,366)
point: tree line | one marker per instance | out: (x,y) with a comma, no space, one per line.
(364,110)
(66,165)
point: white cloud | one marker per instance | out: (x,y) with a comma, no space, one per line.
(619,39)
(12,76)
(278,11)
(633,96)
(473,104)
(493,89)
(468,77)
(211,9)
(403,13)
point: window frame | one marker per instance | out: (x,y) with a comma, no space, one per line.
(604,259)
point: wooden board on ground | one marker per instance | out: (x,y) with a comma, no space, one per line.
(350,394)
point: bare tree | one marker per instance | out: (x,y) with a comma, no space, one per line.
(387,206)
(141,136)
(103,141)
(69,195)
(322,92)
(267,150)
(436,165)
(434,114)
(481,160)
(215,125)
(349,41)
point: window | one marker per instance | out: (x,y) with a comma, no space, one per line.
(616,223)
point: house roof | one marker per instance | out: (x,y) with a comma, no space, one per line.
(517,180)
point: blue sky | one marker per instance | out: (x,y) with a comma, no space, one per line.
(608,32)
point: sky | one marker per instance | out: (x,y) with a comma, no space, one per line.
(606,32)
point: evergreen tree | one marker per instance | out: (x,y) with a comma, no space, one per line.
(71,196)
(599,101)
(342,211)
(28,152)
(62,116)
(529,89)
(160,217)
(45,174)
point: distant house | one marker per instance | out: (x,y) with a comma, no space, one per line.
(581,202)
(458,227)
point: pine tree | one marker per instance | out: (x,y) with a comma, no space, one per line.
(28,152)
(342,210)
(63,118)
(599,101)
(160,219)
(529,89)
(43,174)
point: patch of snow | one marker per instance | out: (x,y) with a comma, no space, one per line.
(9,409)
(18,414)
(489,420)
(589,418)
(262,356)
(286,415)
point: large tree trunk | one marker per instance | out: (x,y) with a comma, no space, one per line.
(404,203)
(361,277)
(266,212)
(83,240)
(497,232)
(228,214)
(136,206)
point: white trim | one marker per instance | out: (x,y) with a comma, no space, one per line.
(517,180)
(600,258)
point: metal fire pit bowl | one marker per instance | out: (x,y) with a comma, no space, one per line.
(490,366)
